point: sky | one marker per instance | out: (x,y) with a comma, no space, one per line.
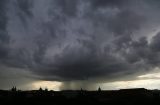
(73,44)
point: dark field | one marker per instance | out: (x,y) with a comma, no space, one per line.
(81,97)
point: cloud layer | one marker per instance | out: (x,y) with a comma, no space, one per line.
(69,40)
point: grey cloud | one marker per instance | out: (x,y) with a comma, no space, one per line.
(25,6)
(4,38)
(123,23)
(24,9)
(110,3)
(68,7)
(155,43)
(70,40)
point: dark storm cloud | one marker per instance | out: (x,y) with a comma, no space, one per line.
(109,3)
(25,6)
(68,40)
(155,43)
(68,7)
(123,23)
(86,64)
(4,38)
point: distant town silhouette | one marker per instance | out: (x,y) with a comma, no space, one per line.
(140,96)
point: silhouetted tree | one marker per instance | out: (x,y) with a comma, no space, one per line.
(40,89)
(14,88)
(99,89)
(46,89)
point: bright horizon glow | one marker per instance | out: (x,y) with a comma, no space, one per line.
(149,81)
(146,83)
(50,85)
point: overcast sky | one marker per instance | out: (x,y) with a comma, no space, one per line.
(69,44)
